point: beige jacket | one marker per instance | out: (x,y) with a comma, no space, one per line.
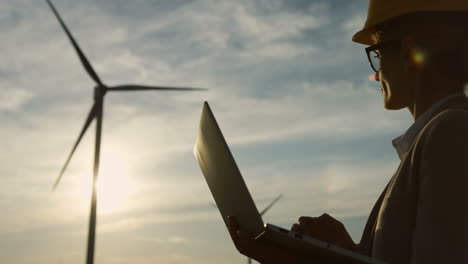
(422,215)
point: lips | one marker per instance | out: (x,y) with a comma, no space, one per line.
(383,87)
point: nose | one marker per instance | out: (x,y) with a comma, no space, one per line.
(376,77)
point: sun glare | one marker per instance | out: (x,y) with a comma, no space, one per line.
(419,57)
(114,183)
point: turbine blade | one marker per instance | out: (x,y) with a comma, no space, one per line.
(270,205)
(83,59)
(132,87)
(90,118)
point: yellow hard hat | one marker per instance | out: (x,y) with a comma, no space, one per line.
(382,10)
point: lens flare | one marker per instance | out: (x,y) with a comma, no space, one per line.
(419,57)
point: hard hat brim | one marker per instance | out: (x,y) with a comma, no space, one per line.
(364,36)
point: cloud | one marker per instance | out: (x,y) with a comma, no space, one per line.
(135,223)
(310,112)
(334,186)
(354,24)
(171,239)
(13,98)
(162,258)
(312,109)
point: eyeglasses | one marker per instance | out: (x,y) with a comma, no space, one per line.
(374,52)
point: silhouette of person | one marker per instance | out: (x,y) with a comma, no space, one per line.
(419,51)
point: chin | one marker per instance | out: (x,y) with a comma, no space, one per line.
(390,104)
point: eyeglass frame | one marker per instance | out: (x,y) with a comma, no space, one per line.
(378,46)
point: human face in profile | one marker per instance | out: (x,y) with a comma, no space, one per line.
(391,60)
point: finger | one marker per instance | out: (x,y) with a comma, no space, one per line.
(305,218)
(307,222)
(326,219)
(297,228)
(326,216)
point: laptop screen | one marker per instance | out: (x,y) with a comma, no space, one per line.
(223,176)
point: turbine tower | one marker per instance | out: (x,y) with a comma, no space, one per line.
(96,112)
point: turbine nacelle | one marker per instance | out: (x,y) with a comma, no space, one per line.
(99,91)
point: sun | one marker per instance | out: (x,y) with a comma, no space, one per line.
(114,185)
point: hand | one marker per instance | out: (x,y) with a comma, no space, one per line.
(327,229)
(261,251)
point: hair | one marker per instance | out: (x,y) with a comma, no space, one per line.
(442,37)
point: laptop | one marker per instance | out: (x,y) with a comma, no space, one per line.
(232,196)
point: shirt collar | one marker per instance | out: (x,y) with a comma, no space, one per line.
(403,143)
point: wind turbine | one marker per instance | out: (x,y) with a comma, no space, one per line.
(96,112)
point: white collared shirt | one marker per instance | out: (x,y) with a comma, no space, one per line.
(403,143)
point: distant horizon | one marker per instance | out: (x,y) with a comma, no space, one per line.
(289,89)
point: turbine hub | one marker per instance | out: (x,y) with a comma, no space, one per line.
(99,91)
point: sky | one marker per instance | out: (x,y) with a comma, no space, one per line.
(290,90)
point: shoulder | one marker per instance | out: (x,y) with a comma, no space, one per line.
(442,145)
(440,211)
(446,125)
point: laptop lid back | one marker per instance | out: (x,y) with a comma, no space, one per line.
(223,176)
